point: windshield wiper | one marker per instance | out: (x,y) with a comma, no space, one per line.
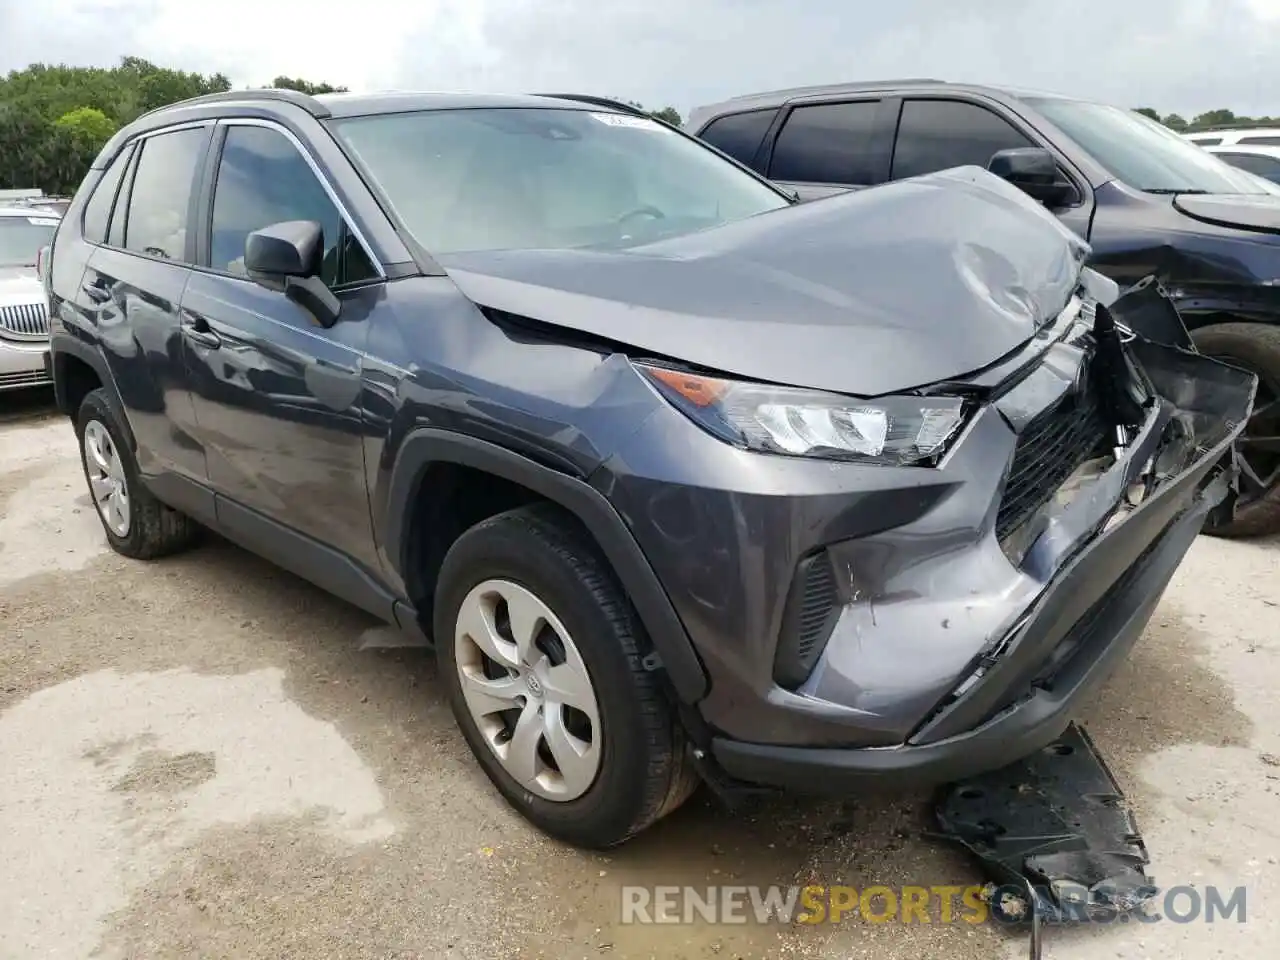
(1168,191)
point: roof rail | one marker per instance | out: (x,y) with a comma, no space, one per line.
(280,95)
(596,101)
(835,87)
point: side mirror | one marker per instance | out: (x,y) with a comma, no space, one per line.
(289,253)
(1033,171)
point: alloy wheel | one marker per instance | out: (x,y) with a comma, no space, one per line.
(107,482)
(527,690)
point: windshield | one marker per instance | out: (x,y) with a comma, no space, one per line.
(529,178)
(1143,153)
(22,237)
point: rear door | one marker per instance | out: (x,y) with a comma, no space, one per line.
(821,149)
(278,397)
(937,133)
(138,224)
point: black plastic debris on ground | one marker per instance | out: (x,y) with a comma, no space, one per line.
(1055,835)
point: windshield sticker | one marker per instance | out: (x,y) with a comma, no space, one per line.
(42,221)
(623,120)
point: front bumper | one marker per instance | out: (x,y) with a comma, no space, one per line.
(1101,639)
(23,364)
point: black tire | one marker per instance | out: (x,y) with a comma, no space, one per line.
(645,771)
(1255,347)
(155,530)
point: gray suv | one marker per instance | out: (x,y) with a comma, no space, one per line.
(684,481)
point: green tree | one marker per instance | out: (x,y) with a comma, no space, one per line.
(55,118)
(89,123)
(670,114)
(1148,112)
(1174,122)
(305,86)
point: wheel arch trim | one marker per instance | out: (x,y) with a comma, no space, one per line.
(427,445)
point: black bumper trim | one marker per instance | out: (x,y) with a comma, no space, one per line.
(1029,725)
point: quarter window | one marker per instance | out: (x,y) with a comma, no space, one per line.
(263,179)
(827,143)
(939,134)
(739,134)
(97,212)
(160,201)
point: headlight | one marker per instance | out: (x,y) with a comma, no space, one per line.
(899,431)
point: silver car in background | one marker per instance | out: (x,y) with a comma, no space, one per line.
(24,311)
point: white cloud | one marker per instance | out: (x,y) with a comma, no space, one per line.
(1183,55)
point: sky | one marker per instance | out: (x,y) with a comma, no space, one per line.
(1183,56)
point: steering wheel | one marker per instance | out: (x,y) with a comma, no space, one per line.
(645,211)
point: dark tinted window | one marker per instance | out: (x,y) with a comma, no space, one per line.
(1207,142)
(1259,141)
(161,195)
(263,179)
(938,134)
(97,212)
(1268,167)
(120,212)
(740,134)
(827,143)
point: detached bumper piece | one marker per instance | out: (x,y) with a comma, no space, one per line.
(1055,834)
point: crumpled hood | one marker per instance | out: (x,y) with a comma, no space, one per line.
(1259,212)
(865,293)
(20,285)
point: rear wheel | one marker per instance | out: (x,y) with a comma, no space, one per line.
(137,525)
(541,655)
(1255,509)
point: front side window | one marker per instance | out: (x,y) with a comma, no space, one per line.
(21,238)
(1259,141)
(262,180)
(936,135)
(1142,153)
(827,143)
(160,201)
(536,178)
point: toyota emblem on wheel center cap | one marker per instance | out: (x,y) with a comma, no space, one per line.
(534,686)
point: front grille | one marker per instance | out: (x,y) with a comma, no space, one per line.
(1051,448)
(24,321)
(24,378)
(808,621)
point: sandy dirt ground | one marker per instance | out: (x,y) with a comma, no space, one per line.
(206,757)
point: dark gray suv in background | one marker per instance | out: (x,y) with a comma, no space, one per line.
(1148,202)
(683,479)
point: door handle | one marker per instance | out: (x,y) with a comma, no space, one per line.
(96,293)
(197,330)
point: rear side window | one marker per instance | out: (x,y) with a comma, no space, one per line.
(160,201)
(1259,141)
(739,134)
(97,212)
(1268,167)
(827,143)
(938,134)
(1206,141)
(263,179)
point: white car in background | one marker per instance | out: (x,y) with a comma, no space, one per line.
(1262,161)
(1249,137)
(24,311)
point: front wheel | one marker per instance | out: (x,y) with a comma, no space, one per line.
(1255,509)
(541,655)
